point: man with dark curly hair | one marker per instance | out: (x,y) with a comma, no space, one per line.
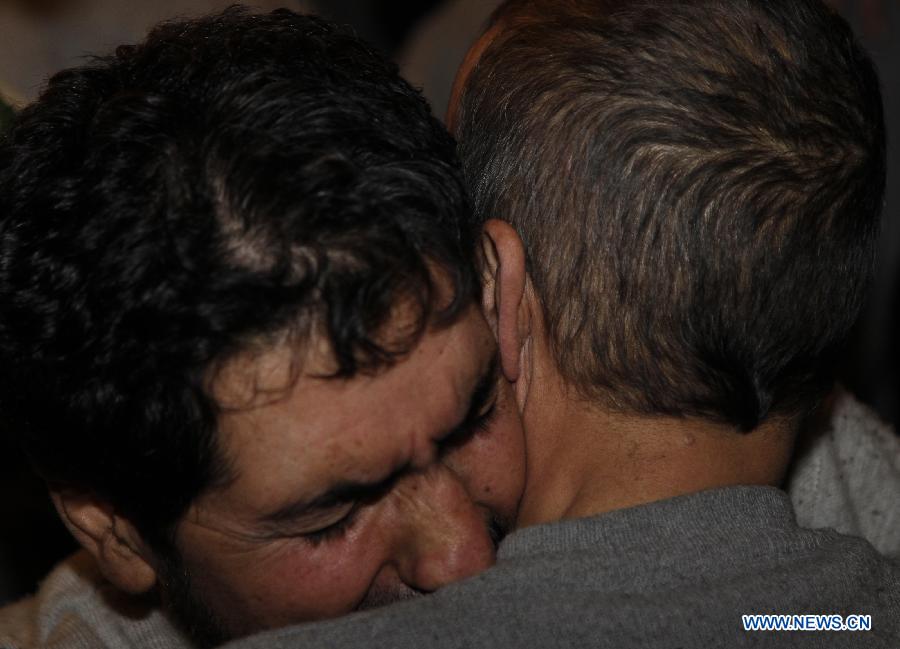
(236,270)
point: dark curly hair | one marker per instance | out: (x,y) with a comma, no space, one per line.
(228,180)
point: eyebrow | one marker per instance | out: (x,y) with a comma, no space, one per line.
(339,494)
(350,491)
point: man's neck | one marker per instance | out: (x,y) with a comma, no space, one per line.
(585,460)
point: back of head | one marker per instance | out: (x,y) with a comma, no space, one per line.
(232,181)
(698,185)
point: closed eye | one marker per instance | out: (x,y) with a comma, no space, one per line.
(362,497)
(333,531)
(348,498)
(460,435)
(468,429)
(482,408)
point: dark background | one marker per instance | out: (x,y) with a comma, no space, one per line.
(31,537)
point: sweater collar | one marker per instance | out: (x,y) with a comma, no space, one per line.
(708,518)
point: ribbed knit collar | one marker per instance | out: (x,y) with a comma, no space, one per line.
(701,520)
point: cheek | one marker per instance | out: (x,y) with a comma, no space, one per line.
(492,464)
(321,582)
(505,455)
(289,582)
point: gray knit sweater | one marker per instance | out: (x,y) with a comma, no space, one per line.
(674,573)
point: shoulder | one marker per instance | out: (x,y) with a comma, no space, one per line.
(75,608)
(846,474)
(18,625)
(29,622)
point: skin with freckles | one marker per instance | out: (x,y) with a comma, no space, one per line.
(353,493)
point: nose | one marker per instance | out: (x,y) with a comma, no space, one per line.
(441,535)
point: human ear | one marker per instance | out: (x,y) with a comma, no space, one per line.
(504,286)
(111,539)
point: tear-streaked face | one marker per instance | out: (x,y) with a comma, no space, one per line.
(351,493)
